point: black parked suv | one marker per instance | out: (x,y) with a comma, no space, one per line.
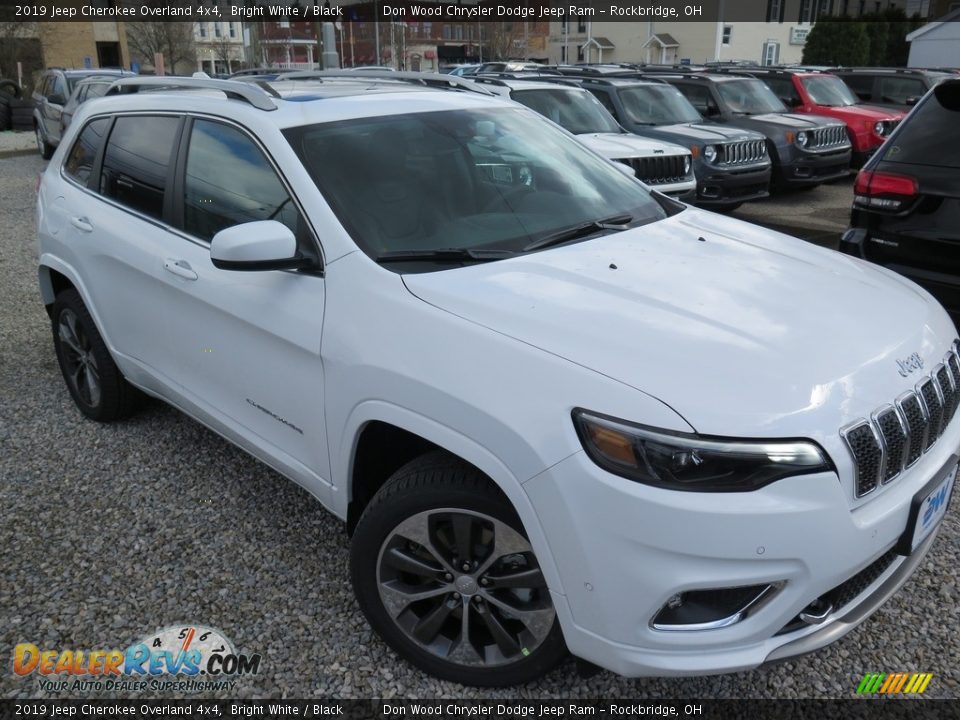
(731,164)
(891,87)
(906,208)
(806,149)
(53,89)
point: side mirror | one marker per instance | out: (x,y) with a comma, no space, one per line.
(261,245)
(625,169)
(911,101)
(56,99)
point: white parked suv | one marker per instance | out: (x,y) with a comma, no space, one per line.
(556,410)
(664,166)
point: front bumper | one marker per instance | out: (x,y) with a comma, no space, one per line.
(624,549)
(815,168)
(718,187)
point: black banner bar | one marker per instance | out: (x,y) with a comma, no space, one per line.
(860,709)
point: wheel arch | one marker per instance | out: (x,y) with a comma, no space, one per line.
(375,422)
(52,283)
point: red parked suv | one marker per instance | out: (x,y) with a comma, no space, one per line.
(825,94)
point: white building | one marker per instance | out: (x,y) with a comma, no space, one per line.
(936,44)
(219,46)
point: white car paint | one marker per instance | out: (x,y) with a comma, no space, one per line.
(697,323)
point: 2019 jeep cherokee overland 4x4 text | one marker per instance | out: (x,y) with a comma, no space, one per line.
(556,409)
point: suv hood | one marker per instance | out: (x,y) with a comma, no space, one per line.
(746,332)
(616,146)
(787,121)
(704,133)
(861,112)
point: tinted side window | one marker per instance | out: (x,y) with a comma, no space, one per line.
(59,87)
(783,88)
(229,182)
(606,101)
(79,162)
(861,84)
(930,136)
(899,89)
(699,97)
(136,161)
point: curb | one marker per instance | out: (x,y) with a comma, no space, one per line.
(16,153)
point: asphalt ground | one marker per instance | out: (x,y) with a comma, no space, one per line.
(110,532)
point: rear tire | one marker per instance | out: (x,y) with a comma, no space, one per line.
(93,379)
(45,148)
(444,573)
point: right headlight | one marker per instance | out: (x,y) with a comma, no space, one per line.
(803,137)
(687,164)
(879,127)
(710,153)
(684,461)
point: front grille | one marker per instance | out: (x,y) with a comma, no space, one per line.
(889,126)
(897,435)
(830,136)
(741,153)
(659,169)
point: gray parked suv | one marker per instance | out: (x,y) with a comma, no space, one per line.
(53,89)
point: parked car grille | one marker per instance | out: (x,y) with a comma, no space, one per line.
(659,169)
(897,435)
(830,136)
(889,126)
(741,153)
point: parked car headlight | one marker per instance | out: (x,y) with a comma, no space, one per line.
(879,128)
(687,164)
(685,461)
(803,137)
(710,153)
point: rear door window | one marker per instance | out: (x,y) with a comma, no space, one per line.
(136,162)
(900,89)
(861,84)
(931,136)
(83,154)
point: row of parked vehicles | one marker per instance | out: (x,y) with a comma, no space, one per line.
(715,137)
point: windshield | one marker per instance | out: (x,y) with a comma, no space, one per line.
(750,97)
(479,179)
(829,90)
(576,111)
(657,105)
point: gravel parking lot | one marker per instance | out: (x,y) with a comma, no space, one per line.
(111,532)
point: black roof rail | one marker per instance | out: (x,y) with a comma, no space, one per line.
(439,81)
(256,94)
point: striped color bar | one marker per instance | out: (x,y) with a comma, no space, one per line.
(894,683)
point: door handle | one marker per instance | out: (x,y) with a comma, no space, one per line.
(180,268)
(81,223)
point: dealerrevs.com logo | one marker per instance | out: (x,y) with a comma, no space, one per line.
(182,658)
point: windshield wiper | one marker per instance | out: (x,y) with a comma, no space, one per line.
(616,222)
(444,255)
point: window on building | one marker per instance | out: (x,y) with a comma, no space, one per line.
(727,34)
(203,30)
(217,31)
(771,53)
(804,16)
(579,53)
(229,182)
(563,54)
(458,32)
(79,163)
(447,33)
(136,161)
(581,26)
(233,30)
(775,10)
(564,26)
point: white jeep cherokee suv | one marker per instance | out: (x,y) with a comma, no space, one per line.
(555,409)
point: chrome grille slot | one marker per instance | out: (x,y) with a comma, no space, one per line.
(896,436)
(865,446)
(934,407)
(831,136)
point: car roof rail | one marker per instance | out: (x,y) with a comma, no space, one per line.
(256,94)
(438,81)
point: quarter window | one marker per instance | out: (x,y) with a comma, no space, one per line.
(82,155)
(229,182)
(136,162)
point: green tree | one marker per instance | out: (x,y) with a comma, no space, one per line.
(837,41)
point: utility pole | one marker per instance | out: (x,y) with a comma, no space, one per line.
(331,60)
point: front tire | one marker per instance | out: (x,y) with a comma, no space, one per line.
(93,379)
(444,573)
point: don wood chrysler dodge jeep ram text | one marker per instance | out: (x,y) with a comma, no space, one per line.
(557,410)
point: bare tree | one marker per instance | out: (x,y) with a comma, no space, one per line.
(224,49)
(502,40)
(19,42)
(173,39)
